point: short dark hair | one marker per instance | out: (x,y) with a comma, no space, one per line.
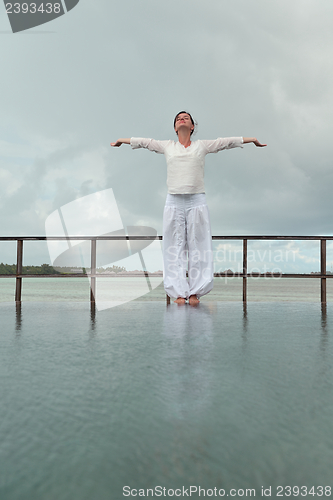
(189,114)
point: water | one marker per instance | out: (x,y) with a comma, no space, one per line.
(225,289)
(144,395)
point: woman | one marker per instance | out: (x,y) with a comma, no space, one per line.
(187,240)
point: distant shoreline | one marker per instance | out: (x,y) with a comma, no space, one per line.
(46,269)
(111,272)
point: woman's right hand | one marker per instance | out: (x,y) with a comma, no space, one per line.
(258,144)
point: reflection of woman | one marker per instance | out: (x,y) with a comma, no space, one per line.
(187,358)
(187,241)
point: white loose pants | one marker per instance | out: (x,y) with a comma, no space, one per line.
(187,246)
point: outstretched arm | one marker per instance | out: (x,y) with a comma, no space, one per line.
(141,142)
(119,142)
(247,140)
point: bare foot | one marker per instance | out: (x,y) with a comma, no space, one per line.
(193,300)
(180,301)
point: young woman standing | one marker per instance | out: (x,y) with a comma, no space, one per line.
(187,239)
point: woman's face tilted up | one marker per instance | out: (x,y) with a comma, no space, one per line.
(183,121)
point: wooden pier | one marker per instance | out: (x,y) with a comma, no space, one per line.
(93,239)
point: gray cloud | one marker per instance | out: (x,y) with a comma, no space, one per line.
(119,70)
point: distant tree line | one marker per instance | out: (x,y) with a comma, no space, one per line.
(43,269)
(70,270)
(47,269)
(113,269)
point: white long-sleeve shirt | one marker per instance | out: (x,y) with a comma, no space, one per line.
(185,166)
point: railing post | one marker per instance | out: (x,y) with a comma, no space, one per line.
(18,291)
(93,271)
(323,270)
(244,269)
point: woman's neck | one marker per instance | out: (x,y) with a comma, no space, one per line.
(184,139)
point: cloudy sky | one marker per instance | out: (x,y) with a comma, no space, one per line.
(120,69)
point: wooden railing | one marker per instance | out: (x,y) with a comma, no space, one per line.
(244,274)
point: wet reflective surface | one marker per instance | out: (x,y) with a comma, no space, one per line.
(225,289)
(142,395)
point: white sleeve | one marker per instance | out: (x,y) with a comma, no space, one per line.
(151,144)
(222,143)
